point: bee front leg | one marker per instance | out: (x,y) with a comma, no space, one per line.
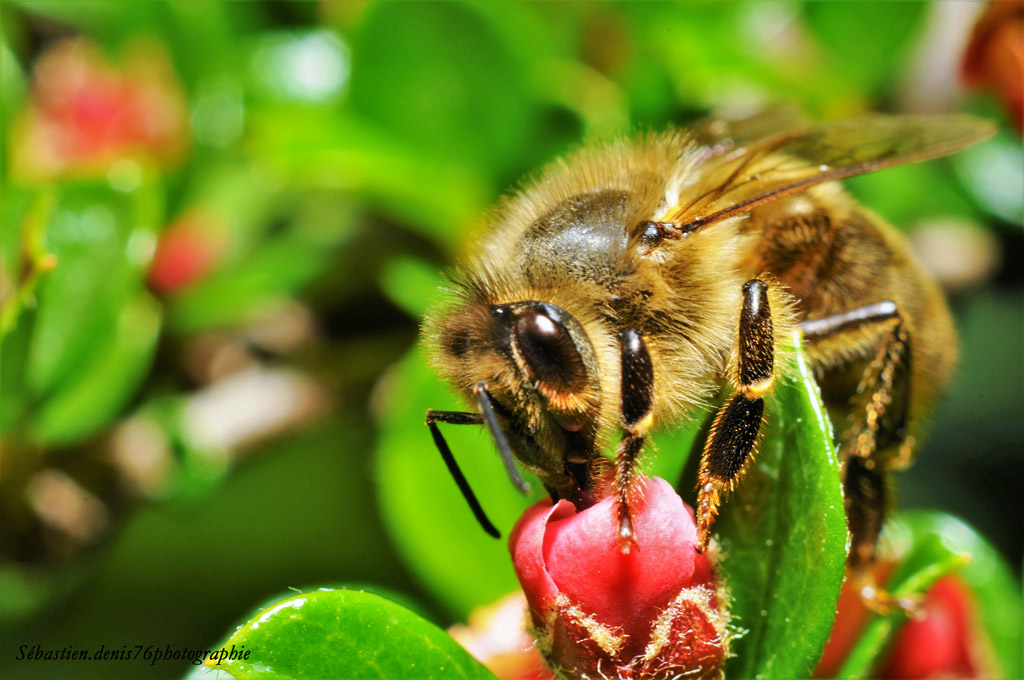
(734,433)
(636,416)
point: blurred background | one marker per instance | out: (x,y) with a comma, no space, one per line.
(221,224)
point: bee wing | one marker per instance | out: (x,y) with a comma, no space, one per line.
(719,135)
(737,181)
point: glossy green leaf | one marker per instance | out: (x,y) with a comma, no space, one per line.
(997,589)
(423,509)
(783,537)
(344,634)
(926,564)
(934,545)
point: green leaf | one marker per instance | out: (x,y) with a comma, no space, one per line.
(277,56)
(993,172)
(992,580)
(95,17)
(783,535)
(13,78)
(263,268)
(23,258)
(99,389)
(926,564)
(244,292)
(427,516)
(14,348)
(24,217)
(94,330)
(99,238)
(344,634)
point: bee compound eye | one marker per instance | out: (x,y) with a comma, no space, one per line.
(549,352)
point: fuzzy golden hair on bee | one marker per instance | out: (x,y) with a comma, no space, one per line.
(628,284)
(624,178)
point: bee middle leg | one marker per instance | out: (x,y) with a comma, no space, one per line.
(636,417)
(734,432)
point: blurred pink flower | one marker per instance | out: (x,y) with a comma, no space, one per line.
(494,635)
(82,113)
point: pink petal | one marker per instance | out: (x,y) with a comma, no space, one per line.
(586,562)
(526,545)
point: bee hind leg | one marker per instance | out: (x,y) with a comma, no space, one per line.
(636,417)
(734,432)
(878,425)
(866,489)
(878,421)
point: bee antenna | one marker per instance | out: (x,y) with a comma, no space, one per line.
(486,408)
(460,479)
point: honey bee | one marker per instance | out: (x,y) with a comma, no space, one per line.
(622,289)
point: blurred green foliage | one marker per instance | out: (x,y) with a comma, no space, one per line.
(221,222)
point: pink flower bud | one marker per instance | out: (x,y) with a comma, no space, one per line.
(940,642)
(596,612)
(189,249)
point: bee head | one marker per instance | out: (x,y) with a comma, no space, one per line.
(535,357)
